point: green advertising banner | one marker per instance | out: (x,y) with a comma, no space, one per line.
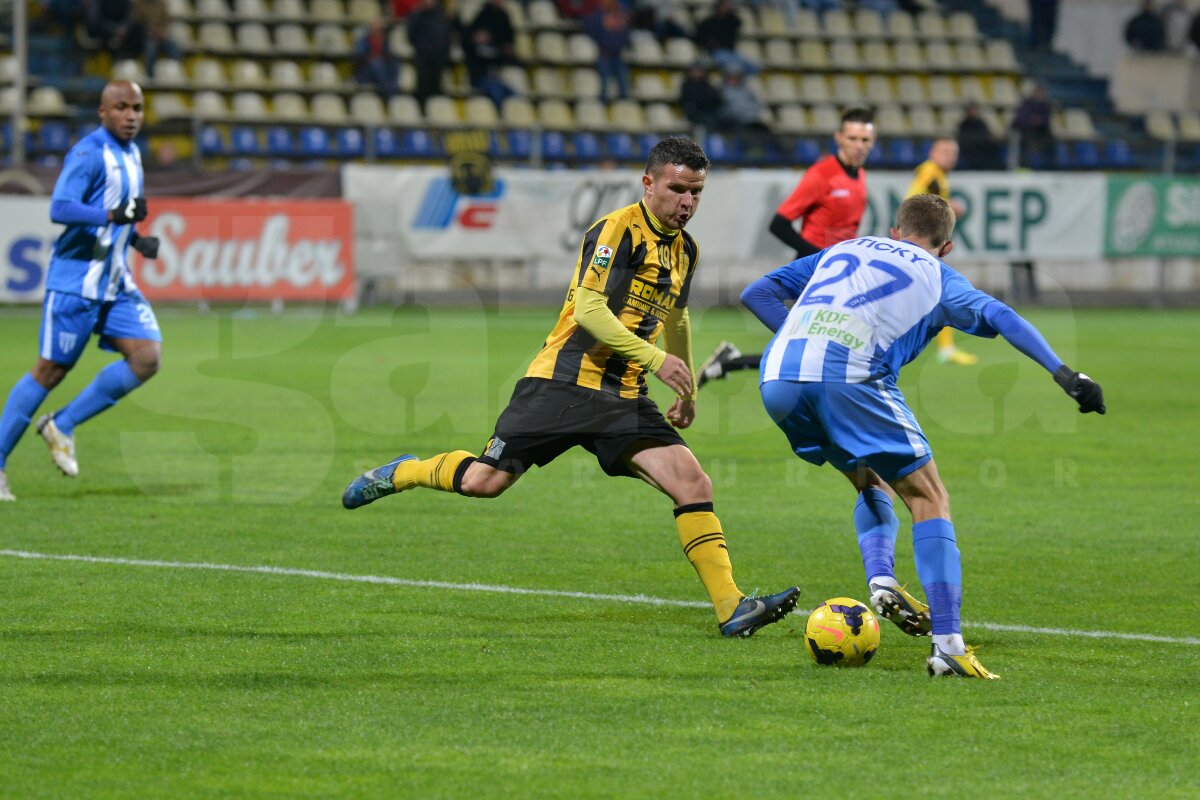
(1153,216)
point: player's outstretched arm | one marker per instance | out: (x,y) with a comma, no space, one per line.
(593,315)
(1018,332)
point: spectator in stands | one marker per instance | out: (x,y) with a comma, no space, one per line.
(742,111)
(429,32)
(821,5)
(1194,31)
(401,9)
(609,27)
(373,61)
(718,34)
(883,7)
(1145,30)
(1174,17)
(978,146)
(153,19)
(492,32)
(488,44)
(699,99)
(64,12)
(659,20)
(1043,23)
(111,23)
(1032,122)
(575,9)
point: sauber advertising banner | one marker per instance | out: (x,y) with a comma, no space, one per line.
(531,215)
(211,250)
(248,250)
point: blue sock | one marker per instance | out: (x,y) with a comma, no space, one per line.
(940,570)
(111,384)
(23,402)
(877,525)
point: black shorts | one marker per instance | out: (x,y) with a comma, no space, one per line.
(545,419)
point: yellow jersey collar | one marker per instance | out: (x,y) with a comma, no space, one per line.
(658,227)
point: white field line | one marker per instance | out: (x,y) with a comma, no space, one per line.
(640,599)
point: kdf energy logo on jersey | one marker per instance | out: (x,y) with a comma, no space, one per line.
(442,207)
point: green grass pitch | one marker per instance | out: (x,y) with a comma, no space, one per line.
(134,680)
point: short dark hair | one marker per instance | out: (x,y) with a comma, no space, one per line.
(857,114)
(927,216)
(676,150)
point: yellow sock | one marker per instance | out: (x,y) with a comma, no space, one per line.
(945,338)
(432,473)
(704,544)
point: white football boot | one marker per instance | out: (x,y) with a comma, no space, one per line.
(62,447)
(5,492)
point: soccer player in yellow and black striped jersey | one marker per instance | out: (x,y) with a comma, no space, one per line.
(587,385)
(932,177)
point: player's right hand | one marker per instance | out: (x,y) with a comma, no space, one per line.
(132,210)
(1082,389)
(675,373)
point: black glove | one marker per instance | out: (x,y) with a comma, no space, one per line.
(146,245)
(132,210)
(1081,388)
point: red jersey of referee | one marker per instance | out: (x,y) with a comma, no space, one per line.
(832,198)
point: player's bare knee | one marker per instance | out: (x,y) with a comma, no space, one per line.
(145,363)
(49,374)
(692,487)
(484,483)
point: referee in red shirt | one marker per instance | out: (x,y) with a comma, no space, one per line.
(831,198)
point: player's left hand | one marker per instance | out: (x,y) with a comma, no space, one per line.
(147,246)
(1082,389)
(682,412)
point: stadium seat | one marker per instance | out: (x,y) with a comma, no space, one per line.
(244,74)
(587,146)
(419,144)
(519,144)
(289,107)
(620,146)
(129,70)
(518,113)
(1118,155)
(329,109)
(367,108)
(291,39)
(251,10)
(330,39)
(791,120)
(47,101)
(385,143)
(721,148)
(250,106)
(902,153)
(215,37)
(327,10)
(253,39)
(349,143)
(212,141)
(1087,155)
(209,105)
(243,141)
(285,74)
(403,110)
(806,151)
(279,142)
(53,137)
(554,146)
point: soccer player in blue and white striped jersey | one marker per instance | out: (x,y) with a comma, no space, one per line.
(860,311)
(89,289)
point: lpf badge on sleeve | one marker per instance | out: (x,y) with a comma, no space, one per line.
(602,258)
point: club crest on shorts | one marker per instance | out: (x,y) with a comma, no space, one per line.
(66,341)
(495,447)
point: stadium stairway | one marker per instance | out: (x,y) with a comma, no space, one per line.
(1067,82)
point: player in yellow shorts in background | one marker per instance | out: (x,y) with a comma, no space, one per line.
(932,177)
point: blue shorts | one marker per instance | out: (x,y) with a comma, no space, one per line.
(68,321)
(850,425)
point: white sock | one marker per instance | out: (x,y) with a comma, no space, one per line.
(884,580)
(951,644)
